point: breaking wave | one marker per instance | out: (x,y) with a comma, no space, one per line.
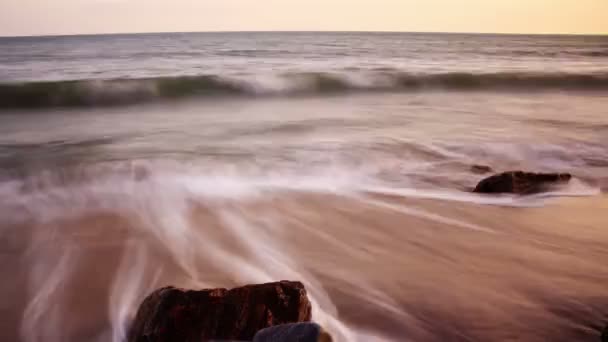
(100,92)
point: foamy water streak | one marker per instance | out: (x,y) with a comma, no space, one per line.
(49,275)
(201,232)
(160,213)
(127,288)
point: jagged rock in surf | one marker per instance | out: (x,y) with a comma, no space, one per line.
(480,169)
(519,182)
(171,314)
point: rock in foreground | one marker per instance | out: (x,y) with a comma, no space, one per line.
(171,314)
(519,182)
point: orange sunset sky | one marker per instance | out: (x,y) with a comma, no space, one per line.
(46,17)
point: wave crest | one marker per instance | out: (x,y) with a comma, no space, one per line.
(90,93)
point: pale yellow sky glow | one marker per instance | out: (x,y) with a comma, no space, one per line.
(45,17)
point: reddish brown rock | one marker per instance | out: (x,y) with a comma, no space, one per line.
(519,182)
(171,314)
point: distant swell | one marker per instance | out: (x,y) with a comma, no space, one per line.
(129,91)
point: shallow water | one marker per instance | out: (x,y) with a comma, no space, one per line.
(377,267)
(340,160)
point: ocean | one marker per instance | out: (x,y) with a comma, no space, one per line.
(342,160)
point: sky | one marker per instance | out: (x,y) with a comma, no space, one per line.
(50,17)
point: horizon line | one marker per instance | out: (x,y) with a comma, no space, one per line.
(303,31)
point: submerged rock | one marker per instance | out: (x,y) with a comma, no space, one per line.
(519,182)
(171,314)
(296,332)
(480,169)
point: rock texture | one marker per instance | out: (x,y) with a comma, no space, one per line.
(171,314)
(519,182)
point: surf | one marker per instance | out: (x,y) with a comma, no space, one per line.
(124,91)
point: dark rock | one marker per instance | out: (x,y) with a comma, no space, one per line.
(605,334)
(171,314)
(297,332)
(519,182)
(480,169)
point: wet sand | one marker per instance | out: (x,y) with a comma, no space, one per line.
(377,267)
